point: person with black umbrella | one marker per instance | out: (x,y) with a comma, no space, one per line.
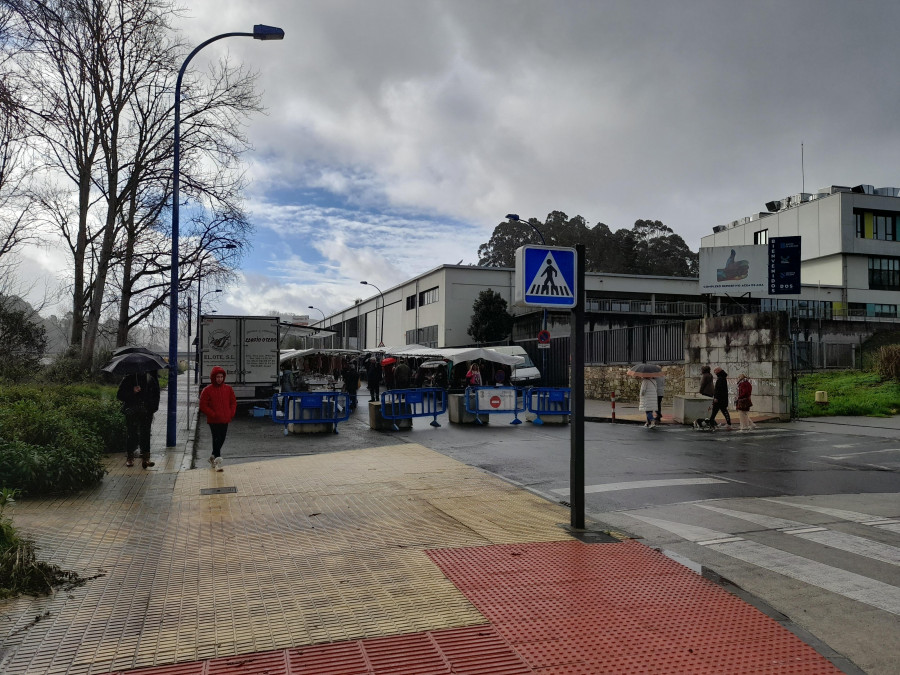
(139,394)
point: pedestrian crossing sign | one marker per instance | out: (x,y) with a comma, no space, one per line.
(545,277)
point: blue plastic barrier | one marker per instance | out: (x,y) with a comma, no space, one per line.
(403,404)
(548,401)
(494,400)
(318,407)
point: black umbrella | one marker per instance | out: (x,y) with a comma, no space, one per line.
(645,370)
(134,362)
(128,349)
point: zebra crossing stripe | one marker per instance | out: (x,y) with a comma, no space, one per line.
(841,541)
(841,582)
(890,524)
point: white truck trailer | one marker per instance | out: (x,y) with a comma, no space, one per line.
(247,348)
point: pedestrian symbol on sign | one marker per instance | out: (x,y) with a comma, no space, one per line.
(544,282)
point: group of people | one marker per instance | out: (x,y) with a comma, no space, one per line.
(718,392)
(652,391)
(139,394)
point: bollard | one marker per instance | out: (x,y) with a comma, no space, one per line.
(612,398)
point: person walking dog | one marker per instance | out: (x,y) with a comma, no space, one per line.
(720,399)
(219,404)
(744,403)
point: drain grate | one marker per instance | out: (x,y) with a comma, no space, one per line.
(218,490)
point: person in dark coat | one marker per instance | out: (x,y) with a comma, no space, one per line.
(402,375)
(351,383)
(139,394)
(373,379)
(720,399)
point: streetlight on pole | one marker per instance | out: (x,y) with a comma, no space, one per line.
(260,32)
(323,321)
(199,314)
(514,218)
(369,283)
(199,284)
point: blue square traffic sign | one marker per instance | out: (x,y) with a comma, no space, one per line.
(545,276)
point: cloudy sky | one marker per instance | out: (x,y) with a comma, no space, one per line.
(400,132)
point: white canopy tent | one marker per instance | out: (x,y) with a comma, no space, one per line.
(456,355)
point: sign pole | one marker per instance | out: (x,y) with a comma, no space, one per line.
(576,462)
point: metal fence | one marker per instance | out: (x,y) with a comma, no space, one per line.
(657,343)
(823,355)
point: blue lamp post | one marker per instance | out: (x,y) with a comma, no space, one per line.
(260,32)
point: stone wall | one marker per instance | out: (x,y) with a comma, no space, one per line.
(600,381)
(755,344)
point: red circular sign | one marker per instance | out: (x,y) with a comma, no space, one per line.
(495,401)
(544,337)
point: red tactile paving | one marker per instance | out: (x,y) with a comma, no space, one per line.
(561,608)
(569,607)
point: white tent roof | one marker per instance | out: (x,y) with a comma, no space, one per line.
(457,355)
(299,353)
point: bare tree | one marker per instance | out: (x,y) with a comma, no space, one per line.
(99,76)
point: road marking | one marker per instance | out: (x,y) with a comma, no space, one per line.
(820,535)
(637,484)
(847,584)
(865,452)
(881,522)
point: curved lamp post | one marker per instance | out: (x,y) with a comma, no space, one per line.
(260,32)
(369,283)
(323,323)
(514,217)
(199,302)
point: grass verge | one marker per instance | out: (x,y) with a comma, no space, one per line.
(849,393)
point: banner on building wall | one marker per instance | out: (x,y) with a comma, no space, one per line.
(734,270)
(762,271)
(784,266)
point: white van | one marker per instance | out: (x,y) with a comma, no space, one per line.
(524,374)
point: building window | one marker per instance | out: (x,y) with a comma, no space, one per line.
(881,225)
(884,274)
(872,309)
(410,302)
(427,337)
(761,237)
(430,296)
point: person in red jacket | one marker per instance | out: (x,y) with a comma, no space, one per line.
(218,403)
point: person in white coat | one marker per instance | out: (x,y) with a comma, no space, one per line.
(648,400)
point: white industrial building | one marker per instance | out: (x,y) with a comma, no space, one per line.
(850,249)
(434,309)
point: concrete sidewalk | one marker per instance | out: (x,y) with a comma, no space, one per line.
(393,559)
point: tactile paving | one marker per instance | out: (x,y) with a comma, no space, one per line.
(569,607)
(310,550)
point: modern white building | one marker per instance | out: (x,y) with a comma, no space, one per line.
(850,248)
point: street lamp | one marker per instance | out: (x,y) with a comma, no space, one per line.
(323,322)
(369,283)
(199,314)
(199,300)
(514,217)
(260,32)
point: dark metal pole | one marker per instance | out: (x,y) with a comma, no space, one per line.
(576,464)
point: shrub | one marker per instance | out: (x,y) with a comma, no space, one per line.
(45,449)
(887,362)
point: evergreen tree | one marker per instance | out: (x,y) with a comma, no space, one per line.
(490,320)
